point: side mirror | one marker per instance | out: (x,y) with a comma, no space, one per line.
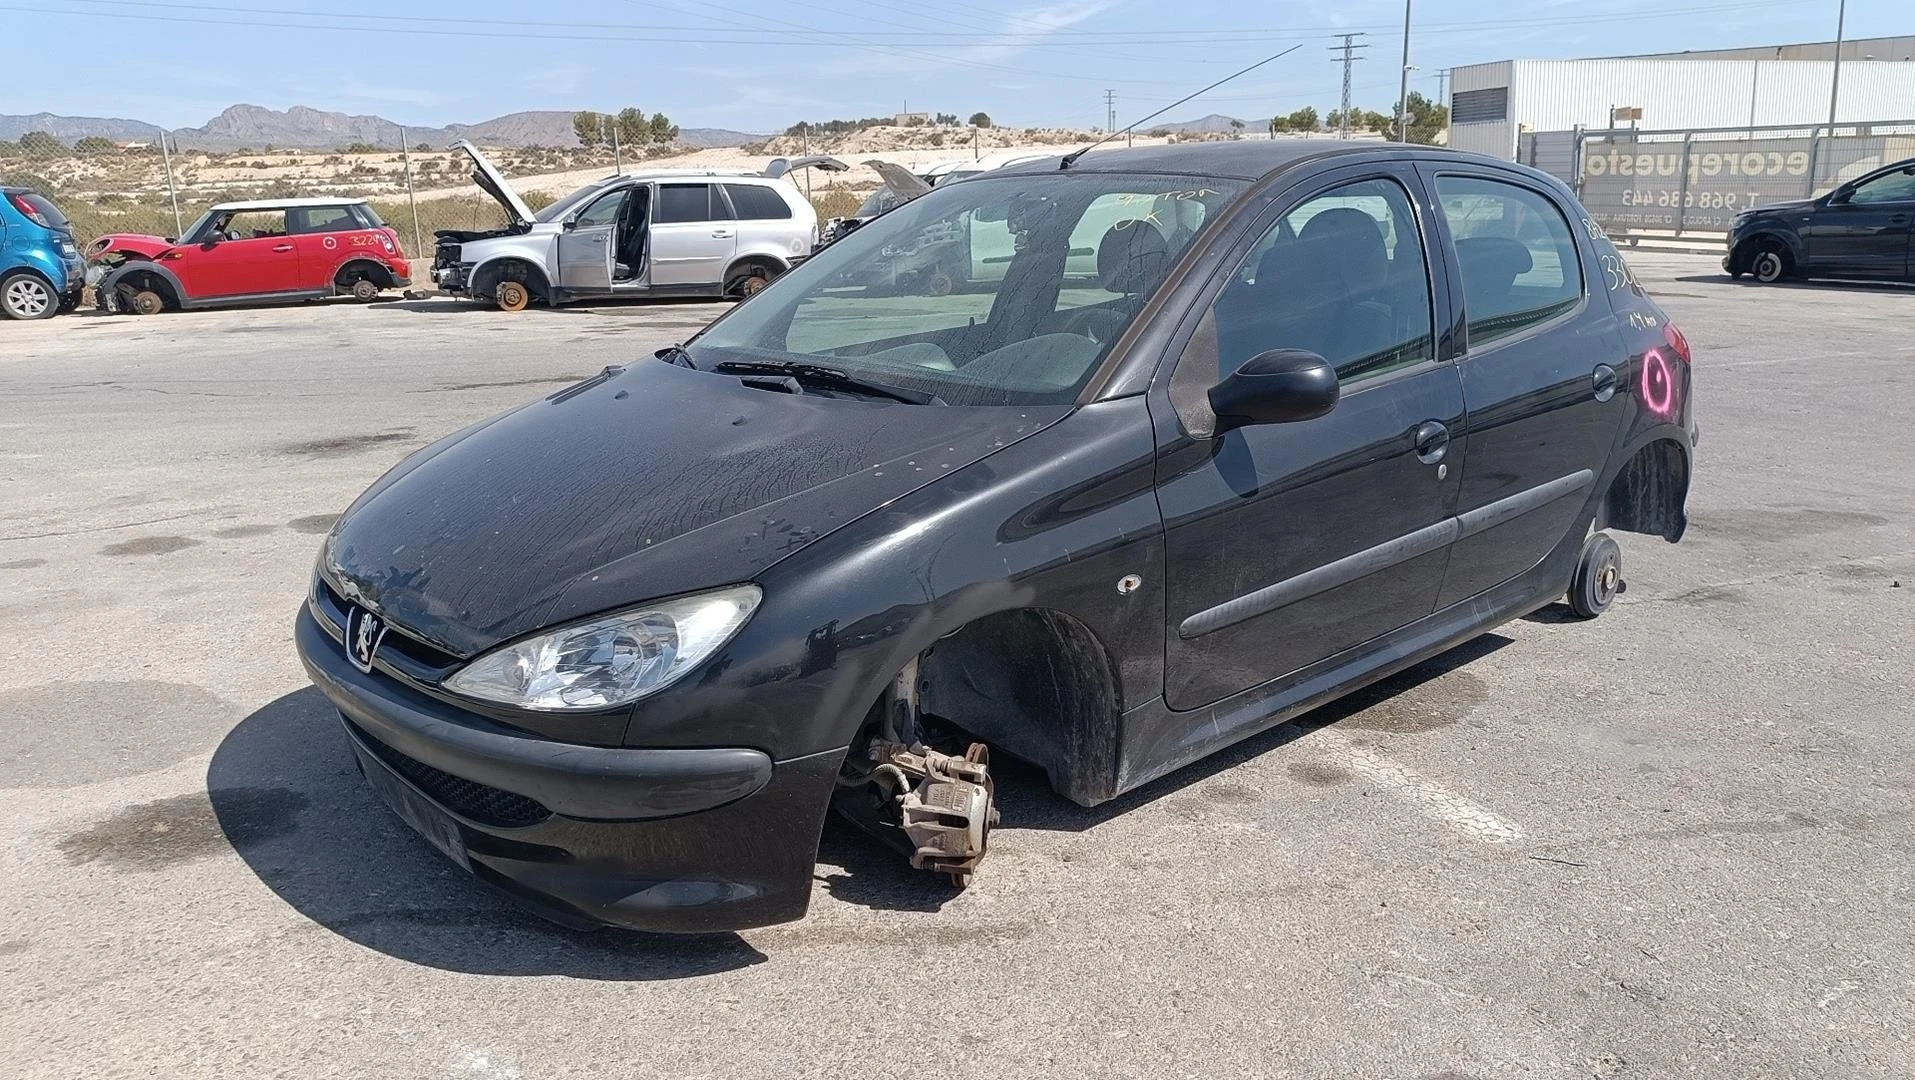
(1275,387)
(211,241)
(570,224)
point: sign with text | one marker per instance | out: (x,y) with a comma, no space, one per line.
(1629,185)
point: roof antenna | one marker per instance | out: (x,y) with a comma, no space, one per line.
(1071,158)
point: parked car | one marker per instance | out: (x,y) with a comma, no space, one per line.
(617,650)
(263,251)
(41,273)
(1862,229)
(662,232)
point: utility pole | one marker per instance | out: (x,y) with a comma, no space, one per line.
(1110,111)
(1348,49)
(1403,87)
(1443,86)
(1835,79)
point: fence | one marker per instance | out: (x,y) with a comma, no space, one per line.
(154,186)
(1696,181)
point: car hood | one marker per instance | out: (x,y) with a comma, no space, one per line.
(138,243)
(493,183)
(1782,207)
(640,483)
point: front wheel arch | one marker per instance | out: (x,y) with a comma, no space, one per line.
(747,266)
(487,277)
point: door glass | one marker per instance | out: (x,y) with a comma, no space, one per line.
(1343,276)
(1518,255)
(682,202)
(318,219)
(1895,187)
(255,225)
(603,212)
(756,203)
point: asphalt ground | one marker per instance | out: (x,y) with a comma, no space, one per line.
(1675,841)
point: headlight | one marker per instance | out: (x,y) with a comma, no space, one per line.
(609,661)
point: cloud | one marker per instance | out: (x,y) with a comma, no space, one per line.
(559,80)
(1019,30)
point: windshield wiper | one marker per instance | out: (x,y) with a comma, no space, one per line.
(834,378)
(676,354)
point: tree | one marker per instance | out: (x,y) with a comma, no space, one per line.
(633,126)
(589,127)
(9,148)
(1427,119)
(980,120)
(663,132)
(94,144)
(41,144)
(1304,119)
(945,119)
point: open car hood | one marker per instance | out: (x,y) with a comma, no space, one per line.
(899,179)
(488,177)
(822,162)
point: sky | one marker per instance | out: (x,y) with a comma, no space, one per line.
(761,65)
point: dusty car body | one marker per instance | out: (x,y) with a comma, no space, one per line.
(1862,230)
(644,233)
(618,650)
(259,251)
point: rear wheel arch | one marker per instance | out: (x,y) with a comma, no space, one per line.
(1649,493)
(1038,684)
(362,269)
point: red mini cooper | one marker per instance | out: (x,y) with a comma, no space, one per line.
(253,252)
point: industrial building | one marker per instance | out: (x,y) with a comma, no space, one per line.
(1492,104)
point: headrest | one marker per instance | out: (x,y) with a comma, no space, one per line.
(1133,257)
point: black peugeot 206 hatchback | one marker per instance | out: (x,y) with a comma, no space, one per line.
(1177,443)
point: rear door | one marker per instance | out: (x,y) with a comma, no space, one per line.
(586,246)
(1287,544)
(1540,372)
(1867,233)
(692,241)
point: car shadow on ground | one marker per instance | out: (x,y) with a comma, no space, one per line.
(343,860)
(872,875)
(1816,285)
(638,305)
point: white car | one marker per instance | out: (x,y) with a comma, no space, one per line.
(660,232)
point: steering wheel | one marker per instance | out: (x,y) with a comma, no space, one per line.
(1101,325)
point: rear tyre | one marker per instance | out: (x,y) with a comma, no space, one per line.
(364,290)
(1770,265)
(25,297)
(513,296)
(1598,576)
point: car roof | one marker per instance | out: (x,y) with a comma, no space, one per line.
(1246,159)
(284,204)
(671,174)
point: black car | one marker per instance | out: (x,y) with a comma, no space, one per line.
(1859,230)
(1326,409)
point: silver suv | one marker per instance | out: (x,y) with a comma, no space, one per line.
(655,233)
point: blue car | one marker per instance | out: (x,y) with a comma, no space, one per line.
(41,273)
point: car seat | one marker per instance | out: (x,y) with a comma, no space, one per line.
(1491,265)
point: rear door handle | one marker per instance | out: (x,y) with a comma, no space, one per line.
(282,247)
(1603,380)
(1432,442)
(721,234)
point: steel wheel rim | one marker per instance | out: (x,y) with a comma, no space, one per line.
(1768,266)
(28,297)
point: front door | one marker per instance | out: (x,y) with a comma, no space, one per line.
(248,254)
(1541,375)
(692,240)
(587,243)
(1867,233)
(1287,544)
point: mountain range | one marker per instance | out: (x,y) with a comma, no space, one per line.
(253,127)
(1214,124)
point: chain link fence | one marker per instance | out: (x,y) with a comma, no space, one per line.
(1696,181)
(154,186)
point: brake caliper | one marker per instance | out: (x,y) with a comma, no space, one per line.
(946,804)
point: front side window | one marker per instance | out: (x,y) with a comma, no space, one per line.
(756,203)
(1896,187)
(253,225)
(1342,275)
(995,291)
(604,211)
(682,202)
(1517,253)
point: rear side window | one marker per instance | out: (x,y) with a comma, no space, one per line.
(1518,255)
(756,203)
(1341,275)
(683,202)
(317,219)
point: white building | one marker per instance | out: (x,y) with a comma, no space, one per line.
(1490,104)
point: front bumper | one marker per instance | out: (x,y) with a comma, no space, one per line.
(679,841)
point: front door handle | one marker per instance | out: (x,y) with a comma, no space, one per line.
(1432,442)
(1603,381)
(282,247)
(721,234)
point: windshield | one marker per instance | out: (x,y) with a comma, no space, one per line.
(997,291)
(199,226)
(571,202)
